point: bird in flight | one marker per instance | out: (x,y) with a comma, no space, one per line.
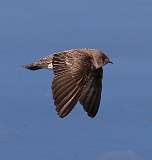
(78,76)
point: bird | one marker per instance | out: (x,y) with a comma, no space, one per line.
(78,75)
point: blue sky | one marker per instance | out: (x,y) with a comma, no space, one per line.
(29,126)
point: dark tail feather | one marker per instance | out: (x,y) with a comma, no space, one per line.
(32,66)
(42,63)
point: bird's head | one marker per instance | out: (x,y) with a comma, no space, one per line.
(104,59)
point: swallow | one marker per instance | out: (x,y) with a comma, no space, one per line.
(78,75)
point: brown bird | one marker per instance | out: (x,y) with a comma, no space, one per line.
(77,77)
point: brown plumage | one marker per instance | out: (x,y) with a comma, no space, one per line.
(77,77)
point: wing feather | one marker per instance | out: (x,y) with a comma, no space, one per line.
(91,94)
(71,73)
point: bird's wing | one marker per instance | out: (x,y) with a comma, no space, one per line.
(91,93)
(71,72)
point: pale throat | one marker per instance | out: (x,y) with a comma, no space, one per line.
(97,63)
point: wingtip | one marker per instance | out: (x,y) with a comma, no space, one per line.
(91,115)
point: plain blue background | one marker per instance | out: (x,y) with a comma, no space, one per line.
(29,126)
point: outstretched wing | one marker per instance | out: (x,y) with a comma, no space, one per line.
(71,72)
(91,93)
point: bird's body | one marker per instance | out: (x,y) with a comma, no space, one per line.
(78,77)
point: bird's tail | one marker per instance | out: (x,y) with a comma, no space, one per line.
(33,66)
(44,63)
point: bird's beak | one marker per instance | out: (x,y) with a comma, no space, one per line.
(110,62)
